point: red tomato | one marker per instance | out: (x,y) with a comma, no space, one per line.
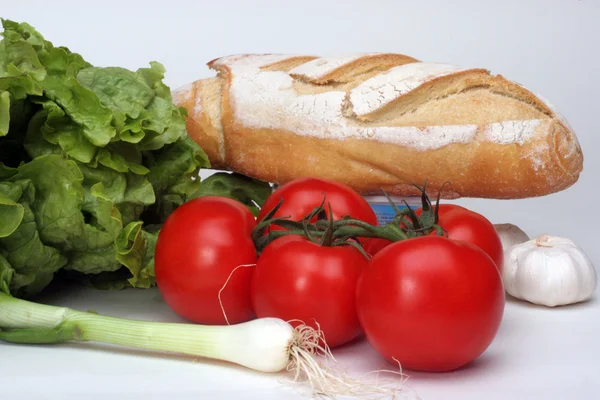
(296,279)
(302,195)
(375,245)
(198,247)
(460,224)
(469,226)
(432,303)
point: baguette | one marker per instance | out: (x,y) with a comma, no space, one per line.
(380,121)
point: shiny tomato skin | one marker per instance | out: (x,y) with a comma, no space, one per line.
(302,195)
(197,249)
(296,279)
(469,226)
(431,303)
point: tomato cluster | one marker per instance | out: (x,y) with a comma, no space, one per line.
(432,301)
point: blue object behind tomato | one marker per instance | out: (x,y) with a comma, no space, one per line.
(383,209)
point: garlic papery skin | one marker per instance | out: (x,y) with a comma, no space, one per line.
(550,271)
(510,235)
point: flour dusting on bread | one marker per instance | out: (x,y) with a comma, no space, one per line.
(507,132)
(267,100)
(380,90)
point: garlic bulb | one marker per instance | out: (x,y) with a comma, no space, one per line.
(549,271)
(510,235)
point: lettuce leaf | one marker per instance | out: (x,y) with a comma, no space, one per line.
(4,112)
(11,211)
(92,161)
(249,191)
(27,265)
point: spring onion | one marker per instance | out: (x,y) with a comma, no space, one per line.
(263,344)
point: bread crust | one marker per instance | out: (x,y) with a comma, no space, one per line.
(497,140)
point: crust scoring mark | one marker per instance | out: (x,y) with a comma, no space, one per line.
(266,99)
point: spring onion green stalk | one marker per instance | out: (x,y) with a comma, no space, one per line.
(263,344)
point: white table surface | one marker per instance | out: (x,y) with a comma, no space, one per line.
(548,45)
(539,353)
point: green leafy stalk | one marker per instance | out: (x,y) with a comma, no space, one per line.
(22,321)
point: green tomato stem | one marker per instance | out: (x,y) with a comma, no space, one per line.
(363,229)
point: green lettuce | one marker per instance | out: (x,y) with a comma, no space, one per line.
(92,161)
(249,191)
(27,265)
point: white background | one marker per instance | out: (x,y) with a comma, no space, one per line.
(549,46)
